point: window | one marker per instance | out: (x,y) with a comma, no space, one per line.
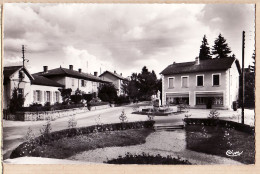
(171,82)
(20,91)
(200,80)
(37,95)
(57,96)
(184,82)
(200,100)
(48,96)
(216,79)
(83,83)
(218,100)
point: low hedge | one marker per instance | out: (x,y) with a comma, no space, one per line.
(52,107)
(147,159)
(223,123)
(26,147)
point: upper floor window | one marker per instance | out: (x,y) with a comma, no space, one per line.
(200,80)
(171,82)
(185,81)
(83,83)
(215,79)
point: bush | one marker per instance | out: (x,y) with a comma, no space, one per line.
(16,102)
(147,159)
(47,104)
(88,97)
(122,100)
(76,99)
(213,114)
(107,92)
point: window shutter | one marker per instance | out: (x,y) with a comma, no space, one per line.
(40,96)
(34,96)
(45,96)
(51,96)
(54,99)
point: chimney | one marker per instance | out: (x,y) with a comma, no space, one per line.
(79,70)
(197,61)
(114,72)
(173,63)
(95,73)
(71,67)
(121,74)
(45,69)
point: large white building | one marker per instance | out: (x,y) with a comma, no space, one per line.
(212,83)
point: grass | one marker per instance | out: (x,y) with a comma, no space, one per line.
(69,146)
(217,140)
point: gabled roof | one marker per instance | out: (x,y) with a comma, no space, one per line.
(114,74)
(40,80)
(204,66)
(70,73)
(10,70)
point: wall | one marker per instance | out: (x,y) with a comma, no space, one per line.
(90,86)
(233,87)
(43,88)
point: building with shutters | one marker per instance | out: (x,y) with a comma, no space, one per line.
(212,83)
(34,88)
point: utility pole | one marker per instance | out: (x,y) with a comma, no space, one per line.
(243,77)
(23,54)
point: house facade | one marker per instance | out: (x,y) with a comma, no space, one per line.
(76,80)
(34,89)
(116,79)
(210,83)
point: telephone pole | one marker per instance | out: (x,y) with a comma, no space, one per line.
(23,54)
(243,77)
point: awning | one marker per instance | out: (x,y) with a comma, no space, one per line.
(175,95)
(209,94)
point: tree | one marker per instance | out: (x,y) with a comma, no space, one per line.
(146,83)
(252,67)
(220,48)
(204,50)
(107,92)
(65,94)
(16,102)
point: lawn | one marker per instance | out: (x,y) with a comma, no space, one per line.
(217,140)
(69,146)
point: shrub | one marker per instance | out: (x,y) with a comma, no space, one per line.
(16,102)
(65,94)
(213,114)
(88,97)
(45,132)
(72,122)
(147,159)
(123,117)
(47,104)
(76,98)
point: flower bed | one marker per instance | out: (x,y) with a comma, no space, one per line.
(147,159)
(45,142)
(222,123)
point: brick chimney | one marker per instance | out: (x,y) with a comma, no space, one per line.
(45,69)
(95,73)
(79,70)
(114,72)
(71,67)
(197,61)
(121,74)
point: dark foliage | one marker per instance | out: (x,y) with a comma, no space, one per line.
(107,93)
(122,100)
(65,94)
(88,97)
(147,159)
(204,50)
(16,102)
(220,48)
(76,98)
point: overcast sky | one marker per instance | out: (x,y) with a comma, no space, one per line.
(121,37)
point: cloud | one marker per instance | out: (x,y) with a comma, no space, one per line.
(121,37)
